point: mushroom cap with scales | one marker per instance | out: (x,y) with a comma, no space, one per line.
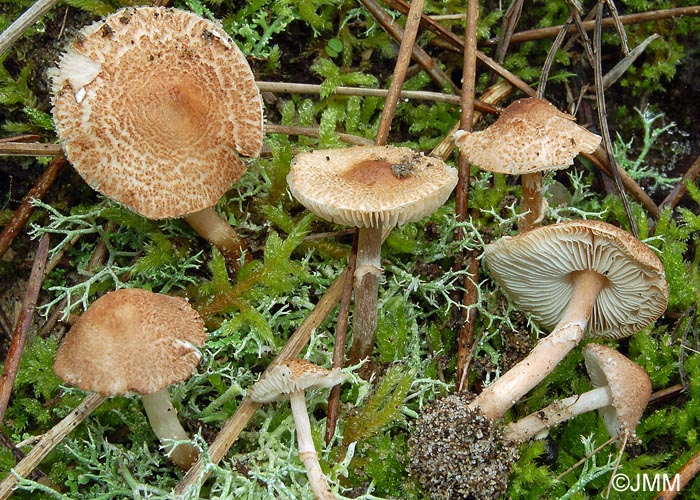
(153,106)
(370,186)
(629,385)
(131,340)
(530,135)
(293,375)
(535,269)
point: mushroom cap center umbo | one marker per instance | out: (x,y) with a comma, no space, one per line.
(370,172)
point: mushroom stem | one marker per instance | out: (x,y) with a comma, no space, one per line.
(368,272)
(48,441)
(163,418)
(533,203)
(558,412)
(307,450)
(496,399)
(210,226)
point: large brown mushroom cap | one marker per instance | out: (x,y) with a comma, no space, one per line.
(530,135)
(535,269)
(370,186)
(153,106)
(629,385)
(131,340)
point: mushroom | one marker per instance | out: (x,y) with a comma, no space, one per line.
(140,341)
(621,392)
(373,188)
(153,106)
(530,136)
(575,278)
(290,379)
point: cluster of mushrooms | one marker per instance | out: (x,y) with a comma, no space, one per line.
(165,138)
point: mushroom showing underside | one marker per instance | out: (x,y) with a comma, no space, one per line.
(153,107)
(529,137)
(373,188)
(576,278)
(290,379)
(621,392)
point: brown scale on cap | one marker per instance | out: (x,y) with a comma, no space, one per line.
(153,106)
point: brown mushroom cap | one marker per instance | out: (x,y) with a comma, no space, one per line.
(535,269)
(530,135)
(370,186)
(153,106)
(291,376)
(131,340)
(629,384)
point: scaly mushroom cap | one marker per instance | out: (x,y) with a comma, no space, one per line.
(370,186)
(131,340)
(153,105)
(629,384)
(529,135)
(291,376)
(535,269)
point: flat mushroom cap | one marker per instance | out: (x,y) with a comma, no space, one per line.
(290,376)
(535,269)
(530,135)
(153,106)
(370,186)
(131,340)
(629,385)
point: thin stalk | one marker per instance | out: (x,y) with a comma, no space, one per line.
(307,450)
(368,272)
(210,226)
(500,396)
(558,412)
(163,418)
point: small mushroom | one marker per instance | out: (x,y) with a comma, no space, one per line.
(153,106)
(530,136)
(575,278)
(133,340)
(373,188)
(290,379)
(621,392)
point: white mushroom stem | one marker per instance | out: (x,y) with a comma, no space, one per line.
(48,442)
(368,271)
(533,203)
(163,418)
(307,450)
(496,399)
(210,226)
(558,412)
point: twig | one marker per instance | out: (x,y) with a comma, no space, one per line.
(510,21)
(406,49)
(689,470)
(26,316)
(674,197)
(271,128)
(641,17)
(234,425)
(420,55)
(467,314)
(341,329)
(23,22)
(19,218)
(48,442)
(30,149)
